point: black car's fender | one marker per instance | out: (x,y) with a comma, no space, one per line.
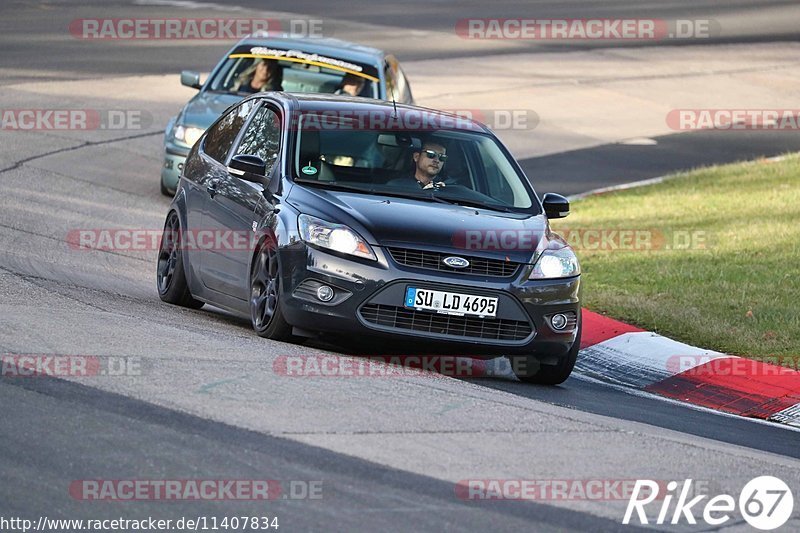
(277,227)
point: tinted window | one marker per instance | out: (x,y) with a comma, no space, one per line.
(391,83)
(494,169)
(221,136)
(396,83)
(263,137)
(403,86)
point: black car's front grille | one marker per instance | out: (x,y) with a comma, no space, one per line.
(479,266)
(396,317)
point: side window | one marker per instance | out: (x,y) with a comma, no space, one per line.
(457,169)
(403,87)
(391,82)
(221,136)
(263,137)
(499,178)
(497,185)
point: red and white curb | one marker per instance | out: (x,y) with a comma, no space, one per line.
(630,358)
(617,353)
(621,354)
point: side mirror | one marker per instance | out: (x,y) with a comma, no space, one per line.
(555,205)
(249,168)
(189,78)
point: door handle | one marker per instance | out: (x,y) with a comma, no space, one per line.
(212,187)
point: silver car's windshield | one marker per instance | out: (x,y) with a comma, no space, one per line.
(258,69)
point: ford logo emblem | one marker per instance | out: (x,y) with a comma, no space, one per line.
(455,262)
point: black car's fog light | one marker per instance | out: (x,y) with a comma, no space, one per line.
(559,321)
(317,292)
(325,293)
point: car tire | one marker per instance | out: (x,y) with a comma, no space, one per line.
(164,189)
(266,314)
(170,274)
(551,374)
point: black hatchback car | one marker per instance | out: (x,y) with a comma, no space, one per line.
(312,214)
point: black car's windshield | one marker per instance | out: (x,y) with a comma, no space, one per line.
(250,69)
(455,166)
(386,191)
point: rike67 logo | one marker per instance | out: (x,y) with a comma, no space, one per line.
(766,503)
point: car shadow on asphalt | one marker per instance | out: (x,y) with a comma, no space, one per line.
(584,394)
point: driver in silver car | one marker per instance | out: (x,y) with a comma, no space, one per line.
(263,75)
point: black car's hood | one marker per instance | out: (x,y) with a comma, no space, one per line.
(393,221)
(202,110)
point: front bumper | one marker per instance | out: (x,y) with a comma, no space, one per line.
(171,169)
(369,298)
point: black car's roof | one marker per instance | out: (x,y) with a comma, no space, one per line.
(350,105)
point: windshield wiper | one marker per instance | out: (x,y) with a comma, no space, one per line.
(331,185)
(425,195)
(473,203)
(372,190)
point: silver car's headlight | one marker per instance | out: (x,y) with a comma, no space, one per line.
(337,237)
(188,135)
(561,263)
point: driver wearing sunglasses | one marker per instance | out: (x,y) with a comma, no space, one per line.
(428,163)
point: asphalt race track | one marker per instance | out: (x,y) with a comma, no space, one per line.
(205,401)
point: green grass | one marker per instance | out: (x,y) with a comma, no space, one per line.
(739,293)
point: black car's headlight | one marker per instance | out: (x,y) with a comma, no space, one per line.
(336,237)
(560,263)
(188,135)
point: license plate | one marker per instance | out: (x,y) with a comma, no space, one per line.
(451,303)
